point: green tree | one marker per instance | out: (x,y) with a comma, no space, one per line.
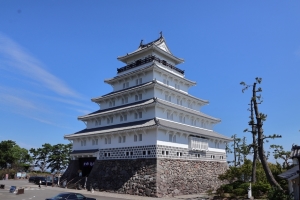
(280,153)
(59,157)
(258,123)
(13,156)
(40,156)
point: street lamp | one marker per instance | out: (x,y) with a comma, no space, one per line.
(295,155)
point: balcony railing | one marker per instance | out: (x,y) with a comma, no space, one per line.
(147,60)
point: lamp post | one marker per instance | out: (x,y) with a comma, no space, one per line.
(295,155)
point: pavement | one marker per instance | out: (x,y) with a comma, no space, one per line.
(30,186)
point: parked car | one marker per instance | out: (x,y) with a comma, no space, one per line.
(70,196)
(31,179)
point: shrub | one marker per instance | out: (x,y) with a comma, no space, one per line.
(244,186)
(239,192)
(259,189)
(276,194)
(227,188)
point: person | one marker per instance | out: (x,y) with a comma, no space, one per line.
(40,183)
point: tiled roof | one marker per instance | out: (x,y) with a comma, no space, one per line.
(84,151)
(148,123)
(176,106)
(289,173)
(119,108)
(124,90)
(114,128)
(295,152)
(154,82)
(191,129)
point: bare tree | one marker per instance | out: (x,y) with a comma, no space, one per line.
(256,99)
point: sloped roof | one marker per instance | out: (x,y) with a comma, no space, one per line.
(158,44)
(119,108)
(289,173)
(145,85)
(84,151)
(113,128)
(176,106)
(191,129)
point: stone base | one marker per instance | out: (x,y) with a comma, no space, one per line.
(155,177)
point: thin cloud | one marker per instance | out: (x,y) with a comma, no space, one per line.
(22,62)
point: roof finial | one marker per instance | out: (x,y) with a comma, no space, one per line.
(141,43)
(161,34)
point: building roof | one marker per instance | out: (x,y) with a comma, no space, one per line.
(144,103)
(295,151)
(289,173)
(192,129)
(113,128)
(151,66)
(158,45)
(195,112)
(84,151)
(148,123)
(154,82)
(119,108)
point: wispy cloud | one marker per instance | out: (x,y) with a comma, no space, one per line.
(28,89)
(28,66)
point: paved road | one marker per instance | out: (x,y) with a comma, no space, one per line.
(33,192)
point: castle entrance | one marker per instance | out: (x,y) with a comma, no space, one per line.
(86,165)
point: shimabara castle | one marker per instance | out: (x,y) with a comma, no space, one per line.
(149,138)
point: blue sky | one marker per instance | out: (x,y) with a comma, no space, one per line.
(54,56)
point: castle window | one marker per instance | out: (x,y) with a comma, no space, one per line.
(163,152)
(138,97)
(140,137)
(112,103)
(127,153)
(135,138)
(98,122)
(166,81)
(123,118)
(144,152)
(149,152)
(179,154)
(212,157)
(177,86)
(83,142)
(107,140)
(138,115)
(110,120)
(131,153)
(138,81)
(169,116)
(167,152)
(124,100)
(95,142)
(172,138)
(125,85)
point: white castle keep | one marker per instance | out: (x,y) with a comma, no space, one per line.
(148,115)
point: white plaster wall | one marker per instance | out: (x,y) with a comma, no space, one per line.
(163,139)
(147,113)
(146,77)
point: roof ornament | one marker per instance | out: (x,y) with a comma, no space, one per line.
(161,35)
(141,43)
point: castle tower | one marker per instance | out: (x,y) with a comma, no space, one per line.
(149,137)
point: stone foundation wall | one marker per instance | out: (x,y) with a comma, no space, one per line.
(136,176)
(72,171)
(179,177)
(153,177)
